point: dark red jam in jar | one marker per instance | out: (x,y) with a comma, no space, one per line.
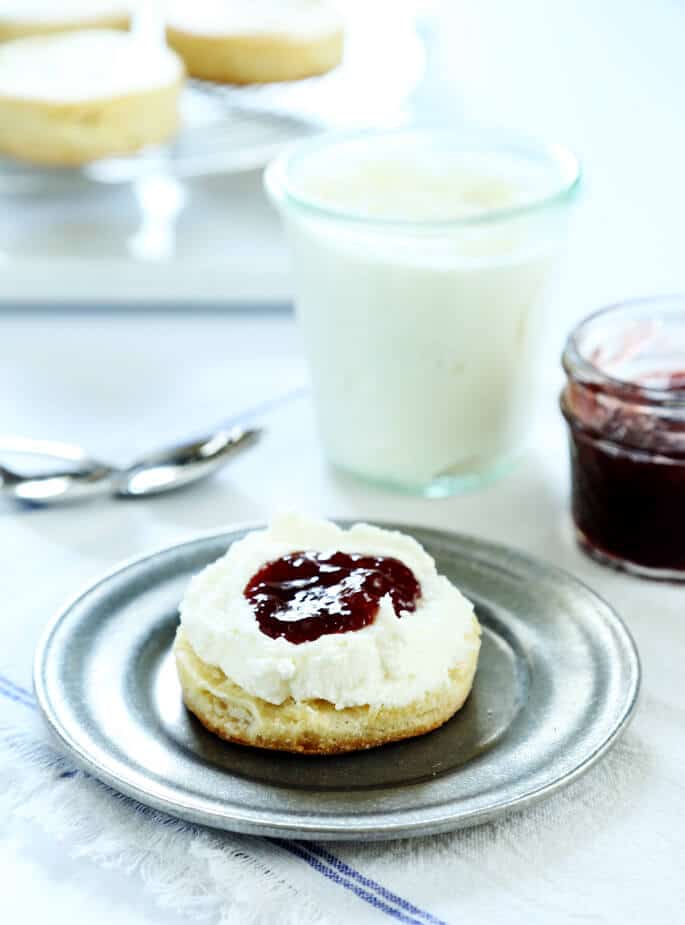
(625,406)
(304,595)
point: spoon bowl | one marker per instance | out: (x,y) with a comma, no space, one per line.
(182,465)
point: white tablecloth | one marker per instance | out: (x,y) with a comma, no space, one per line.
(610,849)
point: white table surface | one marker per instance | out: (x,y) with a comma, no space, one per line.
(609,80)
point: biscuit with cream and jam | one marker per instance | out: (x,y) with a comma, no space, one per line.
(309,638)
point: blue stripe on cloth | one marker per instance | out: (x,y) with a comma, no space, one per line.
(9,695)
(344,868)
(17,694)
(16,687)
(320,860)
(299,850)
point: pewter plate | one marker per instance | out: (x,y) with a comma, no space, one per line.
(557,682)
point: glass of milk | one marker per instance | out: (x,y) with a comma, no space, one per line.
(422,266)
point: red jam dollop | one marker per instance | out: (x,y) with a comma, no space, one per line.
(304,595)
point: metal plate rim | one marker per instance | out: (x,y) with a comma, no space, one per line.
(434,820)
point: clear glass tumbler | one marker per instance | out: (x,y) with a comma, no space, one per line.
(422,265)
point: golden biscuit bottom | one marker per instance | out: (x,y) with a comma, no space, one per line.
(247,59)
(71,134)
(312,727)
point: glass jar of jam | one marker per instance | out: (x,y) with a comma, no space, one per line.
(624,403)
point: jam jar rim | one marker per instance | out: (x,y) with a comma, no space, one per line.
(585,431)
(581,370)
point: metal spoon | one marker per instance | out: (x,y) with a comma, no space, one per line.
(165,470)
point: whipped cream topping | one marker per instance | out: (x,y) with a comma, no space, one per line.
(392,661)
(296,18)
(47,12)
(77,66)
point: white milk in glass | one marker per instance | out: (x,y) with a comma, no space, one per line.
(422,273)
